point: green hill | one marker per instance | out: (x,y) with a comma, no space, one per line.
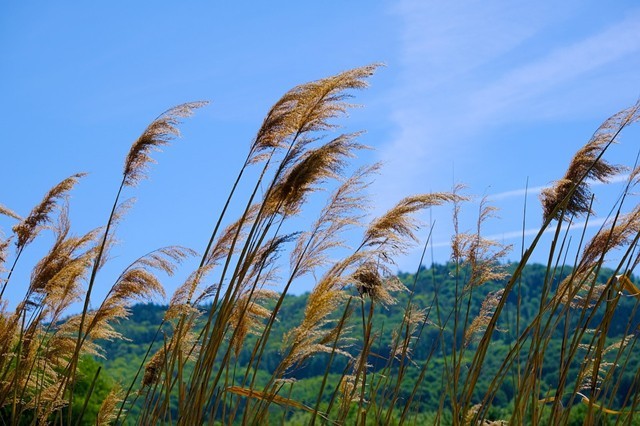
(434,292)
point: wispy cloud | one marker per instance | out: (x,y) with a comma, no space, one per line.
(443,41)
(470,68)
(563,64)
(535,190)
(529,232)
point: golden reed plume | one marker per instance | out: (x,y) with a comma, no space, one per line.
(29,227)
(587,164)
(159,133)
(307,108)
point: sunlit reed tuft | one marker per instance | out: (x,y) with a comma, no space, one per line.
(29,227)
(480,322)
(159,133)
(587,164)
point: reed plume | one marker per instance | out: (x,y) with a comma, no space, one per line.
(595,368)
(186,297)
(235,232)
(392,230)
(344,209)
(317,330)
(48,403)
(378,287)
(57,276)
(248,316)
(612,235)
(350,389)
(138,282)
(385,237)
(580,290)
(587,164)
(481,321)
(29,227)
(159,133)
(183,345)
(8,326)
(263,268)
(4,246)
(154,367)
(8,212)
(403,338)
(307,108)
(481,255)
(470,418)
(64,339)
(182,299)
(313,168)
(9,334)
(108,408)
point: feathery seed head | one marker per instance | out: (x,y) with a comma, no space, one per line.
(108,408)
(307,108)
(487,310)
(159,133)
(29,227)
(248,315)
(57,276)
(63,342)
(7,212)
(369,282)
(8,330)
(405,335)
(482,255)
(313,168)
(611,236)
(233,232)
(262,265)
(181,301)
(587,164)
(4,247)
(590,375)
(394,227)
(579,290)
(316,333)
(184,343)
(153,369)
(350,389)
(343,210)
(137,282)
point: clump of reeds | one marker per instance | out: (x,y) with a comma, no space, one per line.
(207,360)
(42,344)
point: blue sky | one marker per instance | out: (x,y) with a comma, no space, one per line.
(493,94)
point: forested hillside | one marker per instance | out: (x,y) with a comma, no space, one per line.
(122,359)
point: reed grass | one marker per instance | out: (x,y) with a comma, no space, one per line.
(194,371)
